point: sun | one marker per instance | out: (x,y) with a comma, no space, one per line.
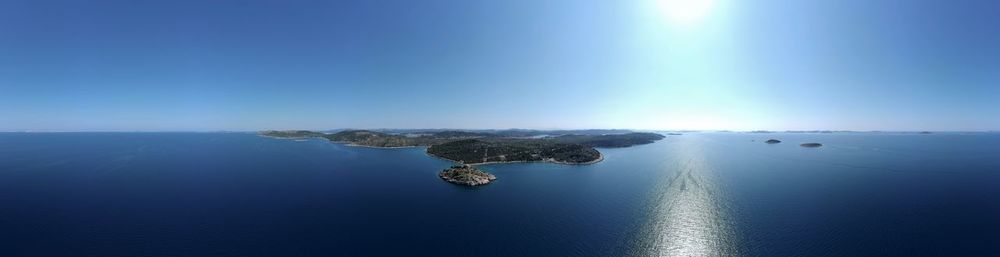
(685,12)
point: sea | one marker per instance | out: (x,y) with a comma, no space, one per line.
(695,194)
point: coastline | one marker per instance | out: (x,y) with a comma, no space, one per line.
(599,159)
(287,138)
(370,146)
(600,156)
(341,142)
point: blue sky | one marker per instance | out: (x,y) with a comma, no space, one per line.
(647,64)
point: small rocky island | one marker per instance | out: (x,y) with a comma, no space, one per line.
(811,145)
(466,175)
(772,141)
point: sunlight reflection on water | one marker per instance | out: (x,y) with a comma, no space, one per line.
(687,217)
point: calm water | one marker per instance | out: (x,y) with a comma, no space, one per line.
(230,194)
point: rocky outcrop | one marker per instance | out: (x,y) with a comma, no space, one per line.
(466,175)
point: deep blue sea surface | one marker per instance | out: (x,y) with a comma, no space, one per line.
(238,194)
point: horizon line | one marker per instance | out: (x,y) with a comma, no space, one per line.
(500,129)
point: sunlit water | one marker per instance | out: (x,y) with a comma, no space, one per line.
(686,216)
(698,194)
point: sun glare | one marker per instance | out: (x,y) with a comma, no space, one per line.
(685,12)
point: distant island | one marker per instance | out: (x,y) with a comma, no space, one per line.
(772,141)
(486,147)
(293,134)
(811,145)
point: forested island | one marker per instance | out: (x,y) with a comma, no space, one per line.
(479,151)
(296,134)
(484,147)
(566,149)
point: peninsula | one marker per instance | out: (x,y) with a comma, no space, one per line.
(467,147)
(487,147)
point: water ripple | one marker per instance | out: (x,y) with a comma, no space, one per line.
(686,215)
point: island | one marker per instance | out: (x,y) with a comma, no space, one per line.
(811,145)
(485,151)
(292,134)
(488,147)
(466,147)
(772,141)
(466,175)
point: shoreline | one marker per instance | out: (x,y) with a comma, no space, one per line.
(370,146)
(600,158)
(341,142)
(286,138)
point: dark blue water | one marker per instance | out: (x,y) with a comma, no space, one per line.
(231,194)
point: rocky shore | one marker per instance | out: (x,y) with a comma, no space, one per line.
(466,175)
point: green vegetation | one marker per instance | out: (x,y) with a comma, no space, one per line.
(569,149)
(484,147)
(371,138)
(454,134)
(616,140)
(378,139)
(473,151)
(292,134)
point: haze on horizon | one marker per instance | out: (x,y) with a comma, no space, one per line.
(646,64)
